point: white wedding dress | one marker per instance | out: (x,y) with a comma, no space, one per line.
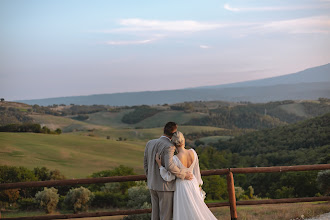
(188,201)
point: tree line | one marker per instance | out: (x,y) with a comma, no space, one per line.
(28,127)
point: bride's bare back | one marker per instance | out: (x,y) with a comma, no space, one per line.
(186,157)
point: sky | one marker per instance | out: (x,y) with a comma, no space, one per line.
(81,47)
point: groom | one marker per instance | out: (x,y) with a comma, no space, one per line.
(161,191)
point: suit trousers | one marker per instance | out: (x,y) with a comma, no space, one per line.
(162,205)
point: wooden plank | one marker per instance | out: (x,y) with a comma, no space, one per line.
(271,201)
(214,172)
(71,182)
(231,195)
(280,168)
(278,201)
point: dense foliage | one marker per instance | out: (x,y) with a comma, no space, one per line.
(13,115)
(139,198)
(140,113)
(306,142)
(83,109)
(28,127)
(97,195)
(262,115)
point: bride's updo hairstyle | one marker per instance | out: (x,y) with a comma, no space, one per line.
(178,139)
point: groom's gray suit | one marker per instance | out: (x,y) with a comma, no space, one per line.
(161,191)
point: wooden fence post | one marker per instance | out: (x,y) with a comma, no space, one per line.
(231,194)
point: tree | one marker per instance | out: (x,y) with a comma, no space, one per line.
(2,99)
(42,173)
(56,175)
(58,131)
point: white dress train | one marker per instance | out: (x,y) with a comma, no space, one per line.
(188,201)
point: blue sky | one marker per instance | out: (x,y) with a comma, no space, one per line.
(76,47)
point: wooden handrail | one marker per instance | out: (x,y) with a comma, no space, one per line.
(71,182)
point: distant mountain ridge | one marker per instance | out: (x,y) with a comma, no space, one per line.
(315,74)
(308,84)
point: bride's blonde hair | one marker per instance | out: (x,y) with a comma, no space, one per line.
(178,139)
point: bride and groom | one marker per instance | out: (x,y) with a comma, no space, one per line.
(174,181)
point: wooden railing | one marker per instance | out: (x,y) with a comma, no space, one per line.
(230,187)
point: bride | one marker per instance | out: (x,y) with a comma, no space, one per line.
(188,198)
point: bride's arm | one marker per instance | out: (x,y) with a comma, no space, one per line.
(166,175)
(197,172)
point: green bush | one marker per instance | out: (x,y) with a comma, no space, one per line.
(109,199)
(284,192)
(239,193)
(78,199)
(118,171)
(139,198)
(48,199)
(323,180)
(26,204)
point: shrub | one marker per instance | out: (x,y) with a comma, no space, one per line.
(78,199)
(118,171)
(106,199)
(239,193)
(139,198)
(284,192)
(26,204)
(9,195)
(58,131)
(48,199)
(323,180)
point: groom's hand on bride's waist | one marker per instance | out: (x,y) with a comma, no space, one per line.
(189,176)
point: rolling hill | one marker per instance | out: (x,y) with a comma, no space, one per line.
(308,84)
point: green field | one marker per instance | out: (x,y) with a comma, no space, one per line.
(76,156)
(64,123)
(214,139)
(79,154)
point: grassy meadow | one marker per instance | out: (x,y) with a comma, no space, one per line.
(76,156)
(88,146)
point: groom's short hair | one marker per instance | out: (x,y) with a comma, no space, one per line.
(170,128)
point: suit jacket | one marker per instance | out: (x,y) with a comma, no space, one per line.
(164,147)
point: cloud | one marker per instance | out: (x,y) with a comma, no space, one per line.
(136,24)
(316,24)
(129,42)
(274,8)
(204,46)
(229,8)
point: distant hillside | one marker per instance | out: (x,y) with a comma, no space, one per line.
(308,84)
(262,115)
(302,143)
(315,74)
(306,142)
(218,114)
(251,94)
